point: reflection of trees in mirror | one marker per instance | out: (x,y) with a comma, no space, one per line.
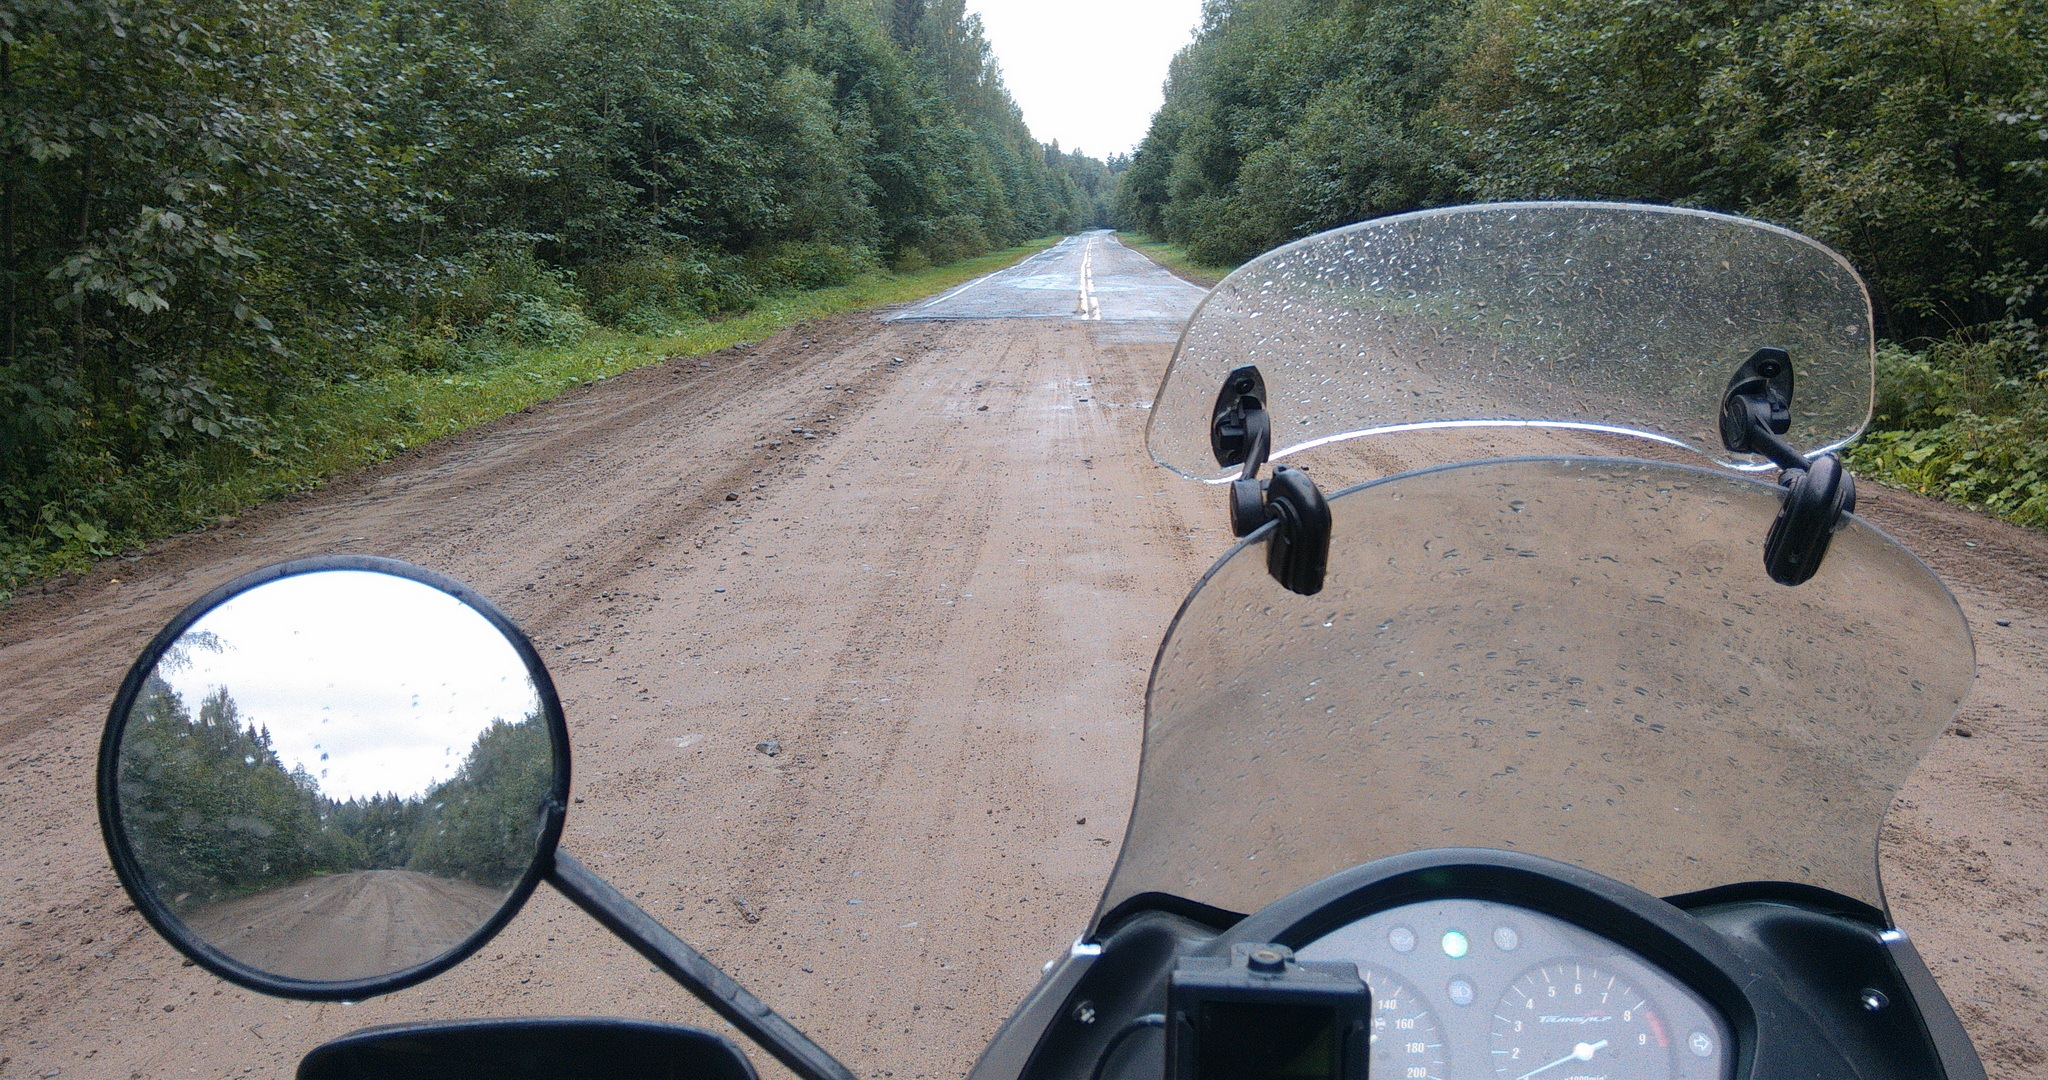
(482,824)
(211,812)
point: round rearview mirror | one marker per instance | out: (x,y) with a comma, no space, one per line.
(334,778)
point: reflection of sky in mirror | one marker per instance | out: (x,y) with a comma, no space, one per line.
(373,684)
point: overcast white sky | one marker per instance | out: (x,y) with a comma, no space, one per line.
(369,682)
(1087,72)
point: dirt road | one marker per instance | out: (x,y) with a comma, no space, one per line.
(929,559)
(347,926)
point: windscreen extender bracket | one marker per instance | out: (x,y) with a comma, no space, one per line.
(1756,412)
(1241,433)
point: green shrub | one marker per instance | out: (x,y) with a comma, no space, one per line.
(911,260)
(1999,464)
(498,290)
(1965,419)
(1218,230)
(396,345)
(647,292)
(538,322)
(791,266)
(1992,371)
(1911,390)
(956,237)
(1987,374)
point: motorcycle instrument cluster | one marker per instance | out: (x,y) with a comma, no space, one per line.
(1471,989)
(1405,1035)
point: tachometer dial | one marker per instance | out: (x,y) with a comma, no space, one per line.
(1575,1021)
(1406,1042)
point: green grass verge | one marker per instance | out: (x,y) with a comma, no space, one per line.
(1992,465)
(1175,258)
(350,425)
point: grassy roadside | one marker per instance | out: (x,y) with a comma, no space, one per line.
(1175,258)
(353,424)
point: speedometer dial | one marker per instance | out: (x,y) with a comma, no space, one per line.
(1574,1021)
(1406,1042)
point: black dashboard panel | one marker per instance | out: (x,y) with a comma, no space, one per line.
(1753,988)
(1841,973)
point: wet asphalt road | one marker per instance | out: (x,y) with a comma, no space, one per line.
(1091,277)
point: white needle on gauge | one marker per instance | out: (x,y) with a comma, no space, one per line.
(1581,1052)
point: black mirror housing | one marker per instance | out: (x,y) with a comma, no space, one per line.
(551,788)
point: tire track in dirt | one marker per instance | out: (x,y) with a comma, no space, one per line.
(611,503)
(431,505)
(857,776)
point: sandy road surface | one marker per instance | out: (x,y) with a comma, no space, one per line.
(945,563)
(347,926)
(926,557)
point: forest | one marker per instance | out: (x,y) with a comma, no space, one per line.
(212,211)
(232,229)
(1910,135)
(212,813)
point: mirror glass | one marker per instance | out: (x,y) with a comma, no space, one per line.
(336,775)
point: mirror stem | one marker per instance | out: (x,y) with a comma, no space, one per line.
(697,974)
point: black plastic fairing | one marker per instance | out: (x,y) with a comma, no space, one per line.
(1215,919)
(1127,981)
(1944,1028)
(1785,969)
(1808,897)
(1841,974)
(529,1048)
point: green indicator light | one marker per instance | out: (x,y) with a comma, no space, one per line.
(1456,944)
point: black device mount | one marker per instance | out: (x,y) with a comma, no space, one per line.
(1241,433)
(1756,410)
(1262,1013)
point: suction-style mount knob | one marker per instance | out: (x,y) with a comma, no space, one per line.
(1756,410)
(1241,433)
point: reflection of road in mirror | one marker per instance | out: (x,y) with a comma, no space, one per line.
(216,824)
(347,926)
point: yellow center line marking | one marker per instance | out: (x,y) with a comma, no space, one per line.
(1089,308)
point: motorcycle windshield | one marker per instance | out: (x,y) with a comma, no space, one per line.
(1601,316)
(1577,658)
